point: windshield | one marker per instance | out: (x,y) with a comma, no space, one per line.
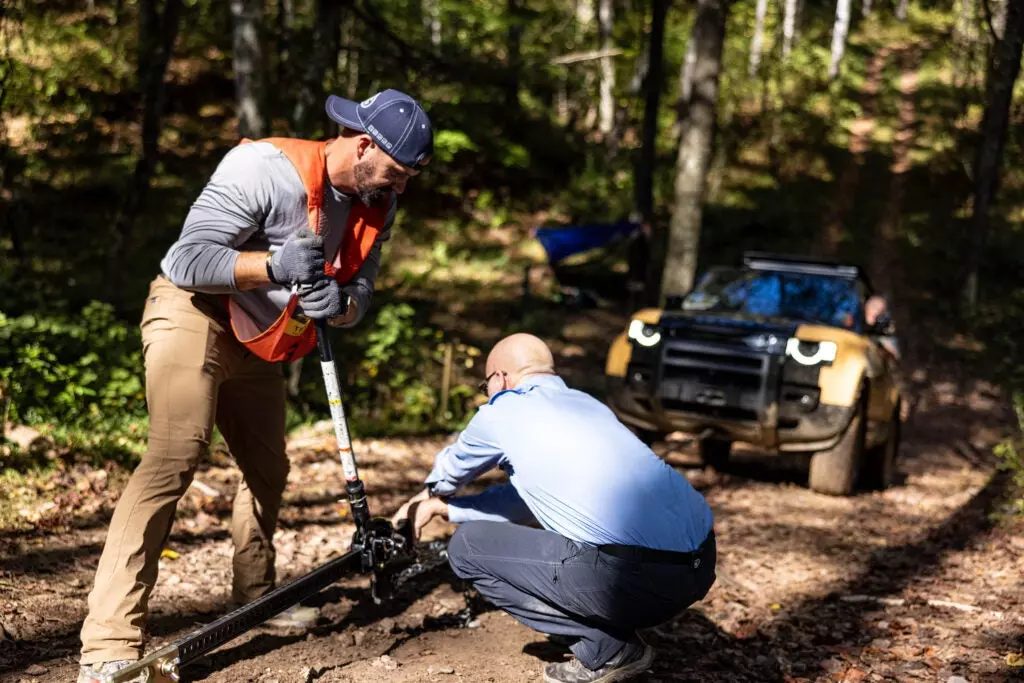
(793,296)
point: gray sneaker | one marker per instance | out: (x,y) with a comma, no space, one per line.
(632,660)
(296,617)
(94,673)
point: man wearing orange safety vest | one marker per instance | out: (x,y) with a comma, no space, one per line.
(284,232)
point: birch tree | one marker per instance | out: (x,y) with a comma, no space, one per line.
(697,115)
(788,26)
(840,30)
(757,40)
(606,109)
(1003,69)
(247,58)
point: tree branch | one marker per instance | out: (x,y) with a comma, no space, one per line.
(574,57)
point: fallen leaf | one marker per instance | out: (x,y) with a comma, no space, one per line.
(169,554)
(1015,659)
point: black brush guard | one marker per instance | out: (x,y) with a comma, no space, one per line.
(377,548)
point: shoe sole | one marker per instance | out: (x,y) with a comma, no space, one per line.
(623,673)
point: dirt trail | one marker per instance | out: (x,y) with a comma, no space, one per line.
(917,583)
(861,131)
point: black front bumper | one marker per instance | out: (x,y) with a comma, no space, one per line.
(742,394)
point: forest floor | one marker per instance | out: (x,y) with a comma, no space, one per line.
(920,582)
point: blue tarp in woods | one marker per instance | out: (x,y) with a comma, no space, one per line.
(563,241)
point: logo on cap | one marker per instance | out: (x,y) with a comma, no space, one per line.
(365,104)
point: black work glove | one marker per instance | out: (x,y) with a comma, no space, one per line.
(300,260)
(323,299)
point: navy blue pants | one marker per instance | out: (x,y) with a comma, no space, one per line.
(561,587)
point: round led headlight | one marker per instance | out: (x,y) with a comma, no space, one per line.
(809,352)
(643,334)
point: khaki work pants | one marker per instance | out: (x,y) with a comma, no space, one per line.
(197,374)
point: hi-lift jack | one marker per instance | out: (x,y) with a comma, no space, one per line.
(377,549)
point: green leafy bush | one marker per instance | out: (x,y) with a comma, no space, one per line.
(396,388)
(79,378)
(82,371)
(1011,453)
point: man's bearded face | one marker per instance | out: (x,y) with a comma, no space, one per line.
(370,181)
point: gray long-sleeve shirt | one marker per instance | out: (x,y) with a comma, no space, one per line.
(254,201)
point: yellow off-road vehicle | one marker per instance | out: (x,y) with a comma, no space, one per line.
(775,353)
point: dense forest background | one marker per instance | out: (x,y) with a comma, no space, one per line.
(879,133)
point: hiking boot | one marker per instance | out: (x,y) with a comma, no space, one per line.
(94,673)
(295,617)
(631,660)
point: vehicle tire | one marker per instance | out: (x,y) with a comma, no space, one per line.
(714,452)
(880,462)
(834,471)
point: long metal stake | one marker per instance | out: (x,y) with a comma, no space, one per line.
(353,485)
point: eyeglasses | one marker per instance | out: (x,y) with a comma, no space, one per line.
(482,387)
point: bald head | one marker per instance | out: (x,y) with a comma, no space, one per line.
(517,356)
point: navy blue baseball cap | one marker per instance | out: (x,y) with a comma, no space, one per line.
(395,121)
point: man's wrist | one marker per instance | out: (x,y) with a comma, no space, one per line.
(270,268)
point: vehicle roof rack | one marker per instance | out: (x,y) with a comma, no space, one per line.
(809,265)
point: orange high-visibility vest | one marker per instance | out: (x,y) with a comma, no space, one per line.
(291,336)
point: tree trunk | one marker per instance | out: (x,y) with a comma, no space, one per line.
(515,36)
(839,32)
(633,88)
(321,55)
(695,147)
(652,87)
(901,10)
(788,27)
(757,41)
(606,24)
(1004,67)
(999,9)
(158,30)
(285,26)
(689,63)
(250,89)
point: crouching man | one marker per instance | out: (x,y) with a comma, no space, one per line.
(625,542)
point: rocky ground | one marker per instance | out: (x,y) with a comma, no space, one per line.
(921,582)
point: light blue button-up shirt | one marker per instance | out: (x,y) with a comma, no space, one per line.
(573,467)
